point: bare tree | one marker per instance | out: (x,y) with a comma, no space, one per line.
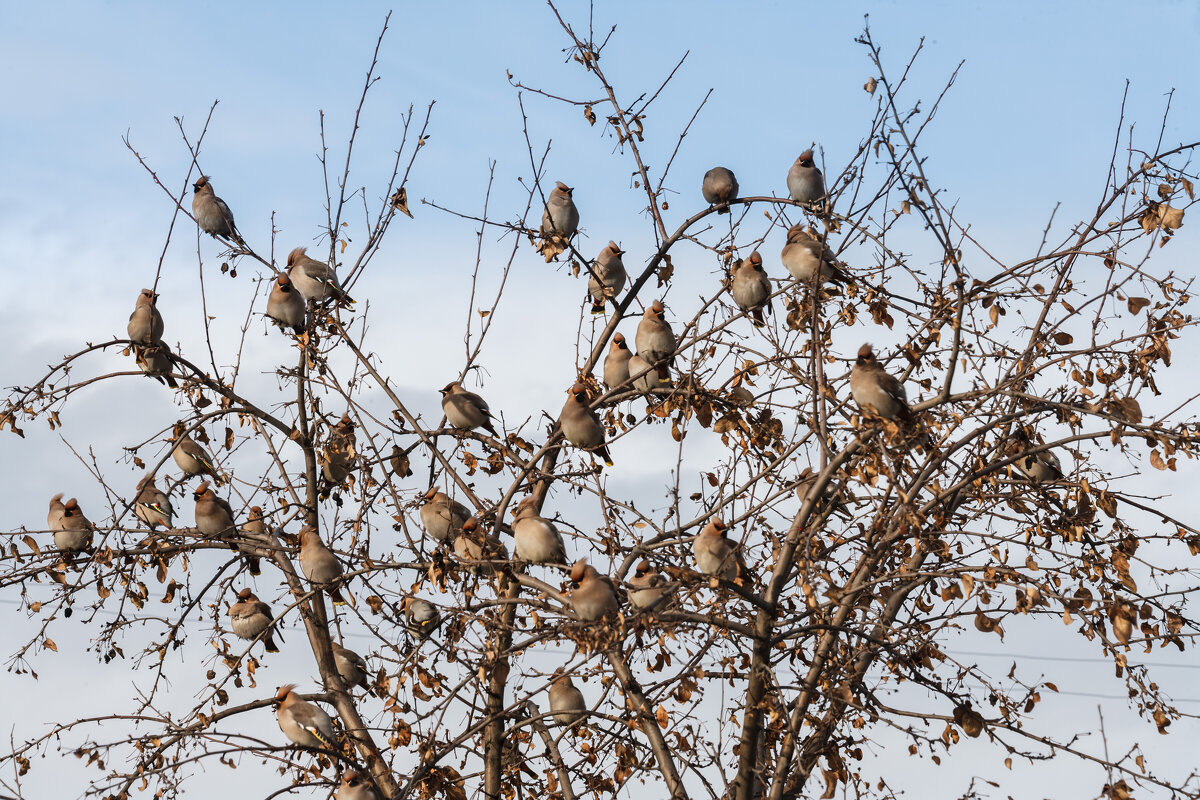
(979,468)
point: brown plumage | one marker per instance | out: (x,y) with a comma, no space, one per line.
(592,594)
(251,618)
(212,214)
(466,410)
(581,426)
(320,565)
(715,553)
(719,187)
(875,391)
(145,323)
(751,288)
(286,306)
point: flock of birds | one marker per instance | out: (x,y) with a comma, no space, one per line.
(306,284)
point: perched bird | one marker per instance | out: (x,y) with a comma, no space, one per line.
(214,515)
(875,391)
(351,667)
(155,361)
(421,617)
(74,533)
(355,786)
(151,504)
(473,544)
(466,410)
(535,537)
(315,280)
(581,426)
(616,363)
(715,554)
(647,585)
(561,216)
(285,305)
(145,323)
(54,519)
(255,530)
(719,187)
(441,516)
(566,701)
(255,525)
(607,277)
(302,722)
(751,288)
(592,594)
(211,213)
(647,378)
(832,495)
(250,618)
(1038,467)
(193,459)
(804,180)
(804,255)
(399,462)
(320,565)
(655,341)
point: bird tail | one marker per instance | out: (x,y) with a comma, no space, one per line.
(269,642)
(335,594)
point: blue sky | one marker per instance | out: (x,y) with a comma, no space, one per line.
(1030,123)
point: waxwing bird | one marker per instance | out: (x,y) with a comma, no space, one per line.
(875,391)
(715,554)
(255,525)
(607,277)
(535,538)
(145,323)
(616,363)
(466,410)
(302,722)
(592,594)
(214,518)
(1039,467)
(212,214)
(473,544)
(320,565)
(441,516)
(421,617)
(751,288)
(75,530)
(580,425)
(805,257)
(251,618)
(647,586)
(214,515)
(719,187)
(804,180)
(566,701)
(314,280)
(832,495)
(355,786)
(285,305)
(351,667)
(193,459)
(655,341)
(255,529)
(647,378)
(54,519)
(400,462)
(561,216)
(151,505)
(155,361)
